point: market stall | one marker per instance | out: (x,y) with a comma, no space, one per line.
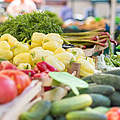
(46,74)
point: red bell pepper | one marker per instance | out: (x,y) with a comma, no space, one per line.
(43,66)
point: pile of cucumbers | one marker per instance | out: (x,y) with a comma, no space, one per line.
(92,103)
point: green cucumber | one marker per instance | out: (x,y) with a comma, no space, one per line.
(107,79)
(37,112)
(100,100)
(101,109)
(69,104)
(87,79)
(115,99)
(101,89)
(98,89)
(83,115)
(114,72)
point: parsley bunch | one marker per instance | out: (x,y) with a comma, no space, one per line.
(23,26)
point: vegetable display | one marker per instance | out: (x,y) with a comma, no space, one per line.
(32,50)
(23,26)
(46,48)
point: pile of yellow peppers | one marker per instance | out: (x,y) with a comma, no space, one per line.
(44,47)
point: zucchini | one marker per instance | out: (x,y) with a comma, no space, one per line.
(115,99)
(101,109)
(100,100)
(114,72)
(83,115)
(98,89)
(37,112)
(69,104)
(101,89)
(107,79)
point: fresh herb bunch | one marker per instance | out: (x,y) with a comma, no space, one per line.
(23,26)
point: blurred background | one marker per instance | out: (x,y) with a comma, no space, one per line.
(74,15)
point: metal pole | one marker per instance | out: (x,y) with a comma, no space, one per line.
(112,24)
(113,14)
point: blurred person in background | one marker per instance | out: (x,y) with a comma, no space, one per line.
(38,3)
(17,7)
(66,12)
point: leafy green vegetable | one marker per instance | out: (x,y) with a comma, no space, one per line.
(70,80)
(23,26)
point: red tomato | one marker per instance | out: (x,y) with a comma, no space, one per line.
(21,79)
(115,109)
(8,90)
(113,115)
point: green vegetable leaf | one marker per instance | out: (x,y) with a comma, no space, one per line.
(69,80)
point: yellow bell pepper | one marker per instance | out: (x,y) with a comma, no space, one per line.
(52,60)
(86,68)
(23,66)
(51,45)
(12,41)
(5,52)
(37,49)
(77,52)
(4,45)
(59,50)
(37,39)
(38,54)
(20,48)
(53,37)
(23,58)
(65,57)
